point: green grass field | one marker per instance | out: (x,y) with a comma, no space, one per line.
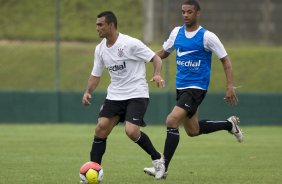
(53,153)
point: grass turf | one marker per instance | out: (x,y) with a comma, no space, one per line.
(53,153)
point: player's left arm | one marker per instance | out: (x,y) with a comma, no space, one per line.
(157,78)
(144,53)
(230,95)
(212,43)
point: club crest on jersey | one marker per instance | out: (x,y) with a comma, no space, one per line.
(120,52)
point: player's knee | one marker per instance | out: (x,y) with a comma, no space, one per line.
(101,130)
(132,133)
(172,121)
(192,133)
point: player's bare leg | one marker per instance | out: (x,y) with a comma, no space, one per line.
(103,129)
(132,131)
(191,125)
(105,126)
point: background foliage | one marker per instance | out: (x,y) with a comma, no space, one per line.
(35,20)
(27,48)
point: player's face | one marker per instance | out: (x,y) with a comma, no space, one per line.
(103,27)
(190,15)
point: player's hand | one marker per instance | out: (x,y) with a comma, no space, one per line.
(230,96)
(85,99)
(158,80)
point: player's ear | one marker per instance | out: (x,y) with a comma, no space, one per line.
(112,25)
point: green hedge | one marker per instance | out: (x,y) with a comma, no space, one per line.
(253,109)
(35,20)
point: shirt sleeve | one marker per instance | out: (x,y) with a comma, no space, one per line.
(212,43)
(141,51)
(168,45)
(98,66)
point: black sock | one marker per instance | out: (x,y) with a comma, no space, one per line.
(171,143)
(98,149)
(207,126)
(145,143)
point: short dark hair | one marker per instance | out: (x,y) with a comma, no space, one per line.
(194,3)
(109,17)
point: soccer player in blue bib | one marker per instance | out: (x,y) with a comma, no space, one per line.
(194,46)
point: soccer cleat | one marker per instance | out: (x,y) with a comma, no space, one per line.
(159,167)
(152,172)
(236,131)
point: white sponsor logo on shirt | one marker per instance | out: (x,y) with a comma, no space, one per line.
(180,54)
(193,65)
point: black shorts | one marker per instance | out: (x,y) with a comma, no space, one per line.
(189,99)
(132,110)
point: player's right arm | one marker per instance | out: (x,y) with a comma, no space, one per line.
(168,45)
(93,82)
(94,78)
(162,54)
